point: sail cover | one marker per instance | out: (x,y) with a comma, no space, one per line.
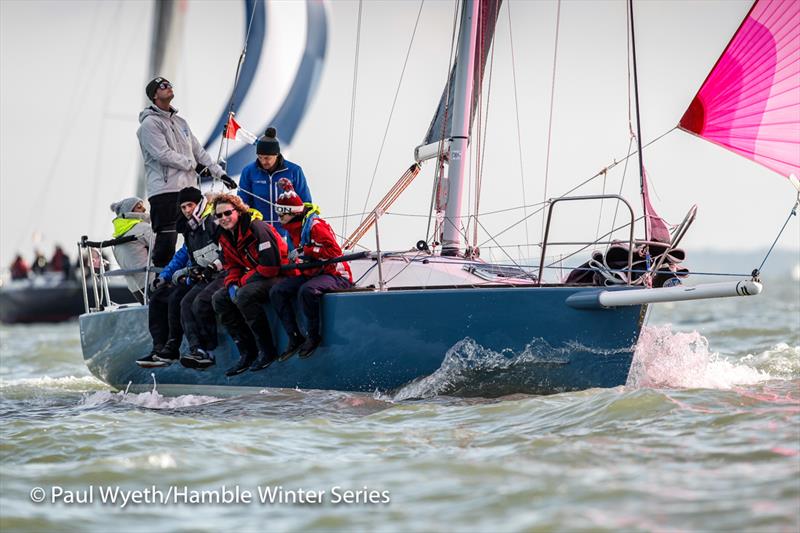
(487,20)
(750,102)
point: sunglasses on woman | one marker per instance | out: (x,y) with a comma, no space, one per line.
(227,213)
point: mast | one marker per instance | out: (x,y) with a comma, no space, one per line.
(638,126)
(462,119)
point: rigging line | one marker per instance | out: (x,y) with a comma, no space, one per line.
(791,214)
(507,209)
(394,102)
(516,113)
(439,159)
(99,152)
(550,119)
(561,259)
(602,200)
(533,278)
(578,186)
(638,118)
(622,181)
(236,76)
(346,202)
(70,122)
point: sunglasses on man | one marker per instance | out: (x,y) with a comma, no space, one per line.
(227,213)
(165,85)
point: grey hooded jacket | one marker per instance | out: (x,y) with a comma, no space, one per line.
(171,152)
(134,255)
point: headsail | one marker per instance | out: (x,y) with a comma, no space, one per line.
(750,102)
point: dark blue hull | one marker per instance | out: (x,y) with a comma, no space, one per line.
(502,340)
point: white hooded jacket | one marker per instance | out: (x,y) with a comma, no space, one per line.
(171,152)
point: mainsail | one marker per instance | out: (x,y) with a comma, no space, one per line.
(750,102)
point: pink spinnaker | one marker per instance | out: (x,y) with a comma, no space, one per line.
(750,102)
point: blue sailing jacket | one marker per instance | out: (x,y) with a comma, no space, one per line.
(180,260)
(261,183)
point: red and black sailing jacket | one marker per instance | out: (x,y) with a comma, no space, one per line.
(253,246)
(322,245)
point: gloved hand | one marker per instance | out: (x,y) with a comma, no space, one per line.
(209,272)
(196,274)
(180,275)
(157,283)
(294,255)
(228,182)
(232,289)
(202,170)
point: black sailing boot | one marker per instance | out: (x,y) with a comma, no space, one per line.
(263,360)
(170,353)
(295,341)
(247,354)
(309,345)
(150,361)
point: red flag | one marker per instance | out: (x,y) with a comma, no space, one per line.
(231,128)
(234,131)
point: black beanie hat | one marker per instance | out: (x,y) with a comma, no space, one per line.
(152,87)
(268,143)
(189,194)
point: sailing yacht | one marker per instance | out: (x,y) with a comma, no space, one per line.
(512,326)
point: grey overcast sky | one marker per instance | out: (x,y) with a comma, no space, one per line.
(73,72)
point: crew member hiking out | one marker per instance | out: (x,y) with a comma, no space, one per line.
(252,253)
(201,235)
(260,178)
(173,158)
(181,298)
(311,239)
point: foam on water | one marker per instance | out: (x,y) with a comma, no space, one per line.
(468,365)
(782,360)
(150,400)
(663,359)
(65,383)
(671,359)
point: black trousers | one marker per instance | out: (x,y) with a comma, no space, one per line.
(197,314)
(246,319)
(308,294)
(164,314)
(164,212)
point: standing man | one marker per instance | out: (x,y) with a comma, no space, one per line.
(260,178)
(172,160)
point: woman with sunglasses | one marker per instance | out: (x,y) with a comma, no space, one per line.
(173,158)
(252,253)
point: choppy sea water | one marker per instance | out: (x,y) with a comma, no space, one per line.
(705,436)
